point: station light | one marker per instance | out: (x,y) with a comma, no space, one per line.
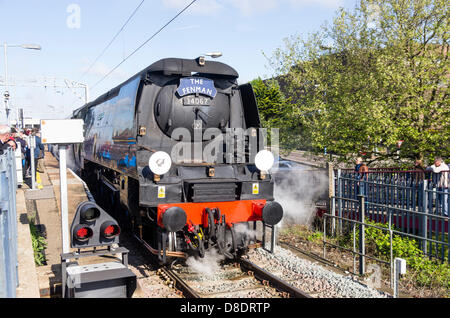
(82,233)
(109,230)
(92,226)
(89,212)
(214,55)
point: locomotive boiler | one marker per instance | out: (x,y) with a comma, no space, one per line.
(178,152)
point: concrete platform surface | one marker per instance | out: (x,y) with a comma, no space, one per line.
(45,203)
(28,279)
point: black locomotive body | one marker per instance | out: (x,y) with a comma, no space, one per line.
(195,112)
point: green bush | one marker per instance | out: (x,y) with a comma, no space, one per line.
(38,243)
(315,237)
(426,272)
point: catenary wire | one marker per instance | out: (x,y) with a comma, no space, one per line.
(112,40)
(143,44)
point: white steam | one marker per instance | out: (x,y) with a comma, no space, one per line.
(244,228)
(298,191)
(207,265)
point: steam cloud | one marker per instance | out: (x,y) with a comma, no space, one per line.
(244,228)
(70,160)
(208,265)
(298,191)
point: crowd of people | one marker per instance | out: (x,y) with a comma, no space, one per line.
(439,167)
(18,139)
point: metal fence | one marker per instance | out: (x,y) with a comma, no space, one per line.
(8,226)
(414,203)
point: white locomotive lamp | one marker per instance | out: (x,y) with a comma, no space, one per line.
(160,163)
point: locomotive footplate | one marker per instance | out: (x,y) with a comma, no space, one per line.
(234,211)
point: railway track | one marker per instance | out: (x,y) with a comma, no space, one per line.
(240,279)
(279,284)
(310,255)
(259,274)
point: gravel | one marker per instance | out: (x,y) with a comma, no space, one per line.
(310,277)
(224,281)
(307,276)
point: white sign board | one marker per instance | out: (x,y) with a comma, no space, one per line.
(66,131)
(401,263)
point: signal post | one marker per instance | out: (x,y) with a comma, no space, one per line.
(92,227)
(63,133)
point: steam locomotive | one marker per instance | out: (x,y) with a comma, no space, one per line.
(178,150)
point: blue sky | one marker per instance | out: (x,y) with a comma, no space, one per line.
(72,39)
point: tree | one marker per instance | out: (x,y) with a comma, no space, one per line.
(373,77)
(274,109)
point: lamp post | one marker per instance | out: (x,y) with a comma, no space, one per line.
(6,94)
(214,55)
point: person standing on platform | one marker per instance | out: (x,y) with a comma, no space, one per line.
(39,152)
(358,164)
(439,167)
(5,135)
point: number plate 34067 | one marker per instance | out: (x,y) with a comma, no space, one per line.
(196,101)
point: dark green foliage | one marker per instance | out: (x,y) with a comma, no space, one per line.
(39,244)
(424,271)
(374,76)
(276,111)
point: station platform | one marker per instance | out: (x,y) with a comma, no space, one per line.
(43,205)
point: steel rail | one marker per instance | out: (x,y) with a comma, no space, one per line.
(310,255)
(167,273)
(179,283)
(259,273)
(276,282)
(246,266)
